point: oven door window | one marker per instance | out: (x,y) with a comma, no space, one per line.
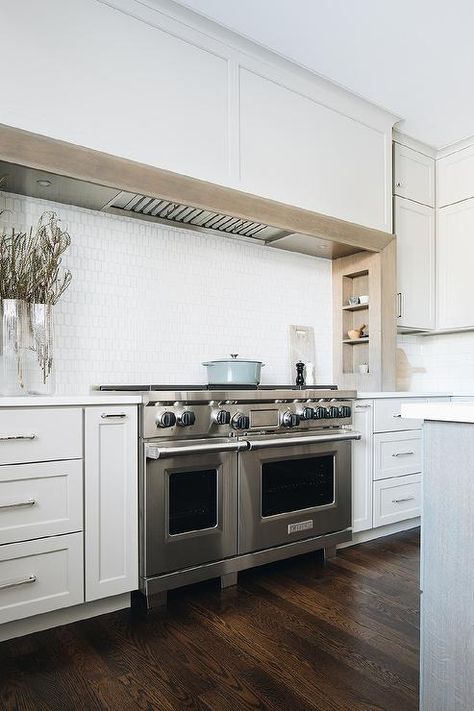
(295,484)
(192,501)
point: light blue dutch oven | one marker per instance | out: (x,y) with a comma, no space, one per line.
(233,371)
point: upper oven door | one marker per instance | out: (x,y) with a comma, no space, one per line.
(292,492)
(190,507)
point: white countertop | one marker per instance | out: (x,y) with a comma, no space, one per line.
(67,400)
(399,393)
(441,412)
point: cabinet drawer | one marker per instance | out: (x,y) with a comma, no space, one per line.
(40,435)
(397,454)
(40,576)
(39,500)
(397,499)
(388,415)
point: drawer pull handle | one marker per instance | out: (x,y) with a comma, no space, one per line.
(14,504)
(402,454)
(396,415)
(15,583)
(401,501)
(8,438)
(362,407)
(107,416)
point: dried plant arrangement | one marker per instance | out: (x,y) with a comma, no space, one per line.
(30,262)
(32,280)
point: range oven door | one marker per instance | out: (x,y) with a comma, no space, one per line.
(189,500)
(292,488)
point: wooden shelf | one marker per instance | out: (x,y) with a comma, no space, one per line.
(355,341)
(356,307)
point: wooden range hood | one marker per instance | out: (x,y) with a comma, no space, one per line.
(80,176)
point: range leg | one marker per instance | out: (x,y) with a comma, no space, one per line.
(329,552)
(228,580)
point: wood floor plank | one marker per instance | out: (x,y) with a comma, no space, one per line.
(292,636)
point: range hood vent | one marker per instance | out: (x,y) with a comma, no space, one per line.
(176,213)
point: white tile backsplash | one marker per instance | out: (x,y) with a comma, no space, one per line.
(149,303)
(441,363)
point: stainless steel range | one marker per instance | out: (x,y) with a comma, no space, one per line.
(232,478)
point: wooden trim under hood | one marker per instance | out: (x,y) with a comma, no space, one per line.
(84,165)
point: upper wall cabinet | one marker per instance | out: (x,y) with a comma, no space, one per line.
(455,177)
(294,149)
(414,175)
(415,228)
(159,84)
(454,259)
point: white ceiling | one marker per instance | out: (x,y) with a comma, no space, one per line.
(413,57)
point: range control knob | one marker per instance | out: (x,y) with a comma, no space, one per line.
(320,413)
(222,417)
(307,413)
(240,421)
(186,418)
(289,419)
(166,419)
(345,411)
(333,412)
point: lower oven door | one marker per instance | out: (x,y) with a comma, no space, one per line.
(189,500)
(289,492)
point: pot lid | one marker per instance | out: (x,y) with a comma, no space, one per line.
(234,358)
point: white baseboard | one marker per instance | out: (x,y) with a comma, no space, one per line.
(65,616)
(373,533)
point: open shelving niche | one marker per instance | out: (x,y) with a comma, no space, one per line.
(371,274)
(355,284)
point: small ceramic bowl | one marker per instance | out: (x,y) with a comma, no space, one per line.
(363,299)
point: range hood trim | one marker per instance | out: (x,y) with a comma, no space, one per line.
(34,151)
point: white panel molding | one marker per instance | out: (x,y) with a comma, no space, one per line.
(404,140)
(178,20)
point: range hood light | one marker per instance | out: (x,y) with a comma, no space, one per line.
(44,183)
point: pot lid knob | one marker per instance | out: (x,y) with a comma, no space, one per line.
(234,355)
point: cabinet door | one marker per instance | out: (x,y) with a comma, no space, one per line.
(362,464)
(454,259)
(111,501)
(455,177)
(415,230)
(414,175)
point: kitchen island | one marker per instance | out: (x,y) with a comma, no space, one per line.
(447,569)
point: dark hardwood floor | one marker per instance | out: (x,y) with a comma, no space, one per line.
(294,636)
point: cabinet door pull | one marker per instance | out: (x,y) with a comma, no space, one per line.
(9,438)
(401,501)
(396,415)
(14,504)
(118,415)
(402,454)
(399,304)
(362,407)
(19,581)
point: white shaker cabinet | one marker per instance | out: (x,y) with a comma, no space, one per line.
(362,465)
(414,175)
(414,225)
(455,257)
(111,501)
(455,177)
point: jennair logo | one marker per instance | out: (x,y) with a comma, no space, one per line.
(300,526)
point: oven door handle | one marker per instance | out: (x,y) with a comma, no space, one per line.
(156,451)
(316,439)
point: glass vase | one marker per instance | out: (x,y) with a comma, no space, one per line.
(13,337)
(40,352)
